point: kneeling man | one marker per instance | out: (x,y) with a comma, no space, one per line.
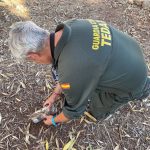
(95,65)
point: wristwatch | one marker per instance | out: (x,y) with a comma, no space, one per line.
(53,121)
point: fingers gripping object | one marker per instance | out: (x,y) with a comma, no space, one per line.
(40,114)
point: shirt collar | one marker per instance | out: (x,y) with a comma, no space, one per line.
(52,46)
(62,41)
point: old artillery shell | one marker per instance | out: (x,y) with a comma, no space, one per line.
(39,115)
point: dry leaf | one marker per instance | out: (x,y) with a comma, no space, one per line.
(6,94)
(18,89)
(140,110)
(82,118)
(90,116)
(88,122)
(22,84)
(69,145)
(46,145)
(89,147)
(27,134)
(3,75)
(18,99)
(48,85)
(117,147)
(78,134)
(147,138)
(57,143)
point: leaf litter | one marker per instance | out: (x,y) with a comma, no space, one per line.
(25,86)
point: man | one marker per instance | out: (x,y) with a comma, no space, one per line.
(97,65)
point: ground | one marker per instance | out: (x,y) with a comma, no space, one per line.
(23,86)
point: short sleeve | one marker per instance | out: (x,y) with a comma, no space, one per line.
(77,83)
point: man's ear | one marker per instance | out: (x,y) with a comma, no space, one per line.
(33,56)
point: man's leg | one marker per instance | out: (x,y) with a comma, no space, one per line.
(103,104)
(146,90)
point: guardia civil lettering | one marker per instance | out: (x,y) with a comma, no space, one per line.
(101,34)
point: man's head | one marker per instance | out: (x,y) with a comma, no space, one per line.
(29,41)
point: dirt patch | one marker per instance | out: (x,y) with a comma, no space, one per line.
(25,86)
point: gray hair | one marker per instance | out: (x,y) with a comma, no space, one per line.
(25,37)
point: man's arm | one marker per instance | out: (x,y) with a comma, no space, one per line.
(54,96)
(58,119)
(61,118)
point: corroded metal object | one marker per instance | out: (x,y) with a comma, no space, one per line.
(39,115)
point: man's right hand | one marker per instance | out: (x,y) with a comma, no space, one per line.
(53,97)
(51,100)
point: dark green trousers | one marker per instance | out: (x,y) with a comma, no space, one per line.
(103,103)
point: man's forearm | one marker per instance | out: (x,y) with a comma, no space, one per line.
(57,92)
(58,89)
(61,118)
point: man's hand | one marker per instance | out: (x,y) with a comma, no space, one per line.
(47,120)
(58,119)
(50,101)
(55,95)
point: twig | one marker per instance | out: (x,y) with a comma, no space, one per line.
(109,136)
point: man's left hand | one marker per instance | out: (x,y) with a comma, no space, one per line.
(47,120)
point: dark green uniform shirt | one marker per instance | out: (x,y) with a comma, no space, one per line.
(93,57)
